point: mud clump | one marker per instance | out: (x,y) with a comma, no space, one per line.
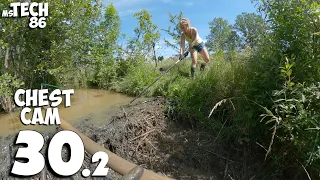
(143,135)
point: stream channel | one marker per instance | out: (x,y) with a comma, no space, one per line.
(85,103)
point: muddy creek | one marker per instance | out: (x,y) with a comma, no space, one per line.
(86,104)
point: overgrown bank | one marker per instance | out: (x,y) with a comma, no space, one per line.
(275,124)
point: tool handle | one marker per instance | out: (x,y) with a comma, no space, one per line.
(184,55)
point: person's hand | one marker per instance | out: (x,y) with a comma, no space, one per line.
(186,54)
(180,56)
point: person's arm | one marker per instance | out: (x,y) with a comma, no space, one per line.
(182,40)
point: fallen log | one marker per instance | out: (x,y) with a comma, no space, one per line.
(115,162)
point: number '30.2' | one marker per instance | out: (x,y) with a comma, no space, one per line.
(36,163)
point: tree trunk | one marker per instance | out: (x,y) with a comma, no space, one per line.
(6,59)
(7,104)
(154,54)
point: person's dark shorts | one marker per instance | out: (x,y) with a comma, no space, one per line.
(199,47)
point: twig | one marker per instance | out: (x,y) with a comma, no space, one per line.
(314,146)
(140,144)
(262,146)
(110,122)
(143,134)
(317,128)
(230,177)
(232,104)
(271,142)
(220,131)
(219,155)
(125,115)
(226,169)
(306,171)
(152,145)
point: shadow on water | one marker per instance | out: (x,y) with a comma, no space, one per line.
(86,104)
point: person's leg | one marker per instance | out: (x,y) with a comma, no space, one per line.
(193,54)
(205,56)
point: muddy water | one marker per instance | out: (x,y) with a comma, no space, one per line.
(86,104)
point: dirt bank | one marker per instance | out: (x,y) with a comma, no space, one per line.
(141,134)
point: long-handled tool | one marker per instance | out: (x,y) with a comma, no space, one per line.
(180,58)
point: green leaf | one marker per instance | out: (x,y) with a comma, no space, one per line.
(269,121)
(291,84)
(249,114)
(303,98)
(268,111)
(278,100)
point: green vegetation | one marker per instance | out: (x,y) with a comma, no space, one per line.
(259,96)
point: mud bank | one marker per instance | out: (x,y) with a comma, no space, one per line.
(143,135)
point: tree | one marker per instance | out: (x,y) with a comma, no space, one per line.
(293,25)
(41,55)
(147,35)
(221,38)
(251,28)
(107,32)
(174,31)
(102,54)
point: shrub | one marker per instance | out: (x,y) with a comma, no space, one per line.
(295,116)
(8,85)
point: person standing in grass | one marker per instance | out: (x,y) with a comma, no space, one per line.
(196,45)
